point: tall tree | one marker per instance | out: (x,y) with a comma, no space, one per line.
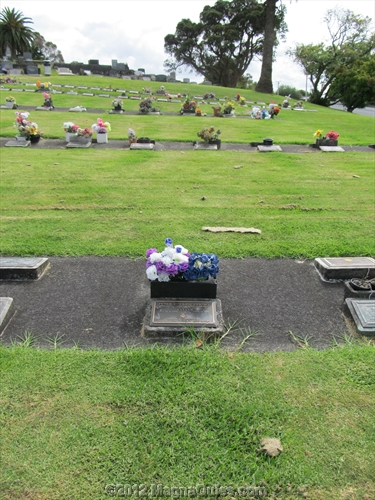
(221,46)
(14,33)
(272,13)
(265,81)
(351,41)
(41,49)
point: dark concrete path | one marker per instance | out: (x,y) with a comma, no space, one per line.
(101,302)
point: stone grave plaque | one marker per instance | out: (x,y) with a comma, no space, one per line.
(82,87)
(17,144)
(177,312)
(331,149)
(137,145)
(22,268)
(363,314)
(6,311)
(44,108)
(87,93)
(103,95)
(71,92)
(344,268)
(74,144)
(133,92)
(265,149)
(205,146)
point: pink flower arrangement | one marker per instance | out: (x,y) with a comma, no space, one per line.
(333,136)
(101,127)
(46,95)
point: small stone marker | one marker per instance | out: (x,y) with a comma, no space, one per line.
(23,268)
(266,149)
(87,93)
(6,311)
(43,108)
(71,93)
(78,142)
(344,268)
(363,314)
(137,146)
(171,317)
(232,229)
(331,149)
(103,95)
(204,145)
(16,143)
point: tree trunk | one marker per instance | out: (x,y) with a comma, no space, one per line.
(265,81)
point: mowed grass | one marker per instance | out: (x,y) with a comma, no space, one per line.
(92,202)
(73,422)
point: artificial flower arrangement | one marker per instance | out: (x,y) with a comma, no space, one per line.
(25,127)
(41,85)
(161,90)
(332,136)
(101,127)
(84,132)
(132,136)
(47,100)
(209,95)
(70,127)
(188,105)
(176,263)
(117,103)
(229,107)
(9,98)
(147,106)
(209,134)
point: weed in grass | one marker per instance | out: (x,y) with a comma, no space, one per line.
(27,339)
(56,341)
(301,342)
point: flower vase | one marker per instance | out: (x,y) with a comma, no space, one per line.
(9,104)
(326,142)
(183,289)
(69,135)
(102,138)
(215,141)
(34,139)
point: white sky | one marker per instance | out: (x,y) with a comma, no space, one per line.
(133,31)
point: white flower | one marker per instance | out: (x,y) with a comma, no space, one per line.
(151,273)
(155,257)
(163,276)
(166,260)
(179,257)
(168,251)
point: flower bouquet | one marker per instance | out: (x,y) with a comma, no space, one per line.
(117,104)
(47,101)
(330,139)
(177,273)
(101,130)
(27,129)
(147,106)
(229,107)
(188,106)
(10,102)
(70,129)
(132,136)
(210,136)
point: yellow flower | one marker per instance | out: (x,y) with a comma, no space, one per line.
(318,134)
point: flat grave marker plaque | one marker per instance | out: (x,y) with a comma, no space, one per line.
(205,146)
(331,149)
(266,149)
(6,311)
(138,146)
(177,312)
(363,314)
(344,268)
(21,268)
(17,143)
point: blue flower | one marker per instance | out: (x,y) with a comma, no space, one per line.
(168,242)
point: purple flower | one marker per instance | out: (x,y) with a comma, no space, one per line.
(150,251)
(172,269)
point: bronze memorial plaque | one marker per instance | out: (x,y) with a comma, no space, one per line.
(175,312)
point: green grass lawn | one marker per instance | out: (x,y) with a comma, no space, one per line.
(74,422)
(90,202)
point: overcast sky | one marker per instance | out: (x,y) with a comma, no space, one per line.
(133,31)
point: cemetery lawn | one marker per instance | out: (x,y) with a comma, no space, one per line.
(119,203)
(75,421)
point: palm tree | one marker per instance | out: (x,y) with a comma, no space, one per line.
(265,81)
(14,33)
